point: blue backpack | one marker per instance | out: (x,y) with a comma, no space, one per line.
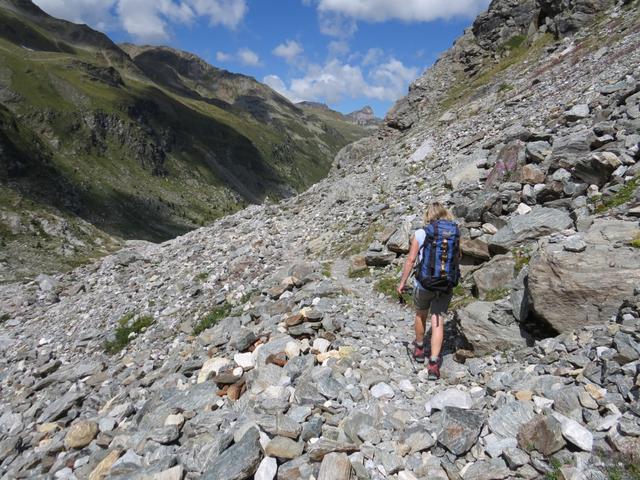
(439,268)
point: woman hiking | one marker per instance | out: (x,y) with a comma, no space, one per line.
(436,247)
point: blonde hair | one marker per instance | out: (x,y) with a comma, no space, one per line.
(437,211)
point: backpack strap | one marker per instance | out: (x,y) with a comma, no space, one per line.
(434,251)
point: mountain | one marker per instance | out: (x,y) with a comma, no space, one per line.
(272,343)
(365,117)
(345,123)
(142,142)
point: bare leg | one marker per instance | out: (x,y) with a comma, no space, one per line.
(437,334)
(421,320)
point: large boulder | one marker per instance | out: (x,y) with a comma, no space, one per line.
(570,149)
(572,289)
(491,326)
(539,222)
(508,165)
(495,275)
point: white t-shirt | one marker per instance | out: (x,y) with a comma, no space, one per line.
(419,235)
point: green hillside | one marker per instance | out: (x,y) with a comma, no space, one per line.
(144,142)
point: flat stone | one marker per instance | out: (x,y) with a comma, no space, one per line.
(267,469)
(575,433)
(383,391)
(452,397)
(335,466)
(460,429)
(507,419)
(238,462)
(542,433)
(284,448)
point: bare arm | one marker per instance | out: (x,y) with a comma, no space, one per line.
(408,264)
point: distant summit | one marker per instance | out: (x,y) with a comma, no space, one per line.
(365,117)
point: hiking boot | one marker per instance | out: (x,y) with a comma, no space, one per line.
(418,353)
(433,368)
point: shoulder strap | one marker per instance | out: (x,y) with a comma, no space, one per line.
(434,251)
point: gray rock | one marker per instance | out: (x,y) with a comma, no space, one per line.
(460,429)
(489,328)
(239,461)
(569,290)
(507,419)
(539,222)
(494,275)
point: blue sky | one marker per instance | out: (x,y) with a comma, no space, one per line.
(346,53)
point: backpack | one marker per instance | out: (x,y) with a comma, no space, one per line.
(439,268)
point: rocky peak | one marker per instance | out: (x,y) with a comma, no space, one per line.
(365,116)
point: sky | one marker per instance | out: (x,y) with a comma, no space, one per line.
(345,53)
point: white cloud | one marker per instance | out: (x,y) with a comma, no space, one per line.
(221,12)
(337,48)
(336,25)
(289,50)
(335,81)
(372,56)
(223,57)
(146,20)
(245,56)
(93,12)
(405,10)
(248,57)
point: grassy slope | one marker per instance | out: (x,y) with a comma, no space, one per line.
(218,160)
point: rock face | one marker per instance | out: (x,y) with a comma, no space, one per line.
(539,222)
(570,289)
(239,461)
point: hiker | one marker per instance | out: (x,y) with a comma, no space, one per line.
(436,247)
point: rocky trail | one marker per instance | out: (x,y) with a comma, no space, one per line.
(267,345)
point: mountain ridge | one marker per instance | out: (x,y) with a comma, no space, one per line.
(147,150)
(272,344)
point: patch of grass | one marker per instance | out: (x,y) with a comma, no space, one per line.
(461,302)
(522,257)
(4,317)
(202,276)
(496,294)
(125,329)
(622,466)
(635,243)
(363,241)
(327,268)
(388,285)
(621,197)
(515,41)
(359,273)
(211,318)
(505,87)
(459,291)
(555,473)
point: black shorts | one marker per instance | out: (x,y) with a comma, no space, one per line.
(436,302)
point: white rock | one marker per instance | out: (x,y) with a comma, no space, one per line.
(320,345)
(245,360)
(574,432)
(267,469)
(406,386)
(382,390)
(175,419)
(451,397)
(406,475)
(523,209)
(489,229)
(292,349)
(212,367)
